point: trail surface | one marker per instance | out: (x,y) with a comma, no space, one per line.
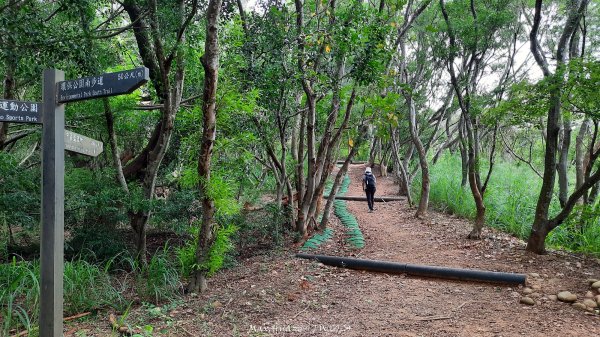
(278,295)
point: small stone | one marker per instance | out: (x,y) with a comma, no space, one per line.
(565,296)
(553,297)
(535,295)
(591,281)
(590,303)
(527,291)
(527,300)
(536,287)
(579,306)
(217,304)
(534,275)
(589,294)
(514,294)
(578,264)
(596,285)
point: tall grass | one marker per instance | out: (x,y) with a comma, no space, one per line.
(87,287)
(510,200)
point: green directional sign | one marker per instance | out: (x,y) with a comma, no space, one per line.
(81,144)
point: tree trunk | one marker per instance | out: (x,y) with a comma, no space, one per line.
(110,125)
(563,162)
(541,225)
(339,178)
(9,92)
(424,200)
(210,63)
(168,85)
(403,183)
(464,157)
(579,155)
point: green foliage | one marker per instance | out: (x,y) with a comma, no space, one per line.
(19,295)
(261,229)
(158,280)
(581,88)
(19,193)
(87,287)
(175,211)
(96,243)
(318,239)
(510,202)
(580,232)
(218,251)
(217,254)
(186,255)
(526,104)
(354,235)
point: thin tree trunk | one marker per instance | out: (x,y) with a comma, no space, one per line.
(110,125)
(563,162)
(210,63)
(579,155)
(338,180)
(169,87)
(424,199)
(9,93)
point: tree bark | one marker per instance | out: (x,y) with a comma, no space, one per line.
(110,125)
(210,63)
(563,162)
(9,92)
(541,225)
(424,199)
(169,87)
(404,183)
(579,155)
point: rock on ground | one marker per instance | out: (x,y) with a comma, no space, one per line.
(527,300)
(590,303)
(566,296)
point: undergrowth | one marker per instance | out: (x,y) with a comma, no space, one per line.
(87,287)
(510,200)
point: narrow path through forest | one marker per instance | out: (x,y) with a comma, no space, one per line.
(279,295)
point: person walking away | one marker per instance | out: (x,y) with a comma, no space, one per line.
(368,185)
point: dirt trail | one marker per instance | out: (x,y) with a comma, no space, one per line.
(278,295)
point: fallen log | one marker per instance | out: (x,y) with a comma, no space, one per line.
(417,270)
(352,162)
(358,198)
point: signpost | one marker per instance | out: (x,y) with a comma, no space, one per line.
(110,84)
(81,144)
(56,91)
(53,204)
(20,112)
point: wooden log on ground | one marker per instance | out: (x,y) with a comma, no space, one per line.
(352,162)
(359,198)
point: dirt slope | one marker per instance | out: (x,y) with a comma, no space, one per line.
(278,295)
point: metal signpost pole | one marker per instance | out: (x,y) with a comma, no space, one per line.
(53,195)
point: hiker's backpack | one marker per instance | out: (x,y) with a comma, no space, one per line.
(370,180)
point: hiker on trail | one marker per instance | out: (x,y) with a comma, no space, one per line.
(368,184)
